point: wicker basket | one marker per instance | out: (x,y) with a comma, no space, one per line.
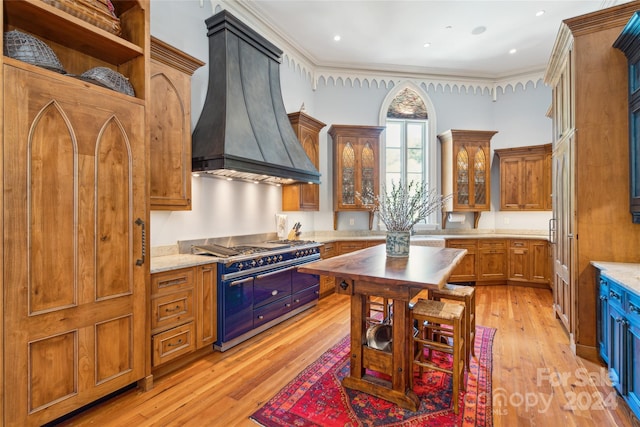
(27,48)
(108,78)
(96,12)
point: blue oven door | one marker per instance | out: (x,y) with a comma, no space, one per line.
(237,308)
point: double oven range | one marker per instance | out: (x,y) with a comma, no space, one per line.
(259,286)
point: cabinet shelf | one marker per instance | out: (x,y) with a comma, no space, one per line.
(43,20)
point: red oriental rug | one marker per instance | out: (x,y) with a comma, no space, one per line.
(316,397)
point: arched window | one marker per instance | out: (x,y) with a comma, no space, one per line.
(409,148)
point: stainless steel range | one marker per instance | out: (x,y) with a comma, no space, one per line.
(259,286)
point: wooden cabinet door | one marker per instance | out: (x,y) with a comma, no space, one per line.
(467,270)
(74,271)
(206,297)
(602,331)
(510,183)
(170,126)
(492,259)
(304,196)
(519,268)
(564,245)
(539,261)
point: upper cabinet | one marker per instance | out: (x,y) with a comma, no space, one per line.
(304,196)
(170,126)
(466,170)
(80,44)
(356,168)
(629,43)
(525,178)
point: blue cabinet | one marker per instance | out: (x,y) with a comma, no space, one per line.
(618,320)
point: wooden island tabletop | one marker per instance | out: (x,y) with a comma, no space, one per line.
(425,267)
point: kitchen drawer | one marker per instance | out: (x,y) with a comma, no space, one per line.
(633,308)
(271,311)
(304,297)
(346,246)
(616,294)
(328,250)
(524,244)
(171,281)
(492,244)
(173,343)
(172,309)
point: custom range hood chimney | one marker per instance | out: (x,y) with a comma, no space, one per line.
(243,131)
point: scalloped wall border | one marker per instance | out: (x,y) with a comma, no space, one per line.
(295,58)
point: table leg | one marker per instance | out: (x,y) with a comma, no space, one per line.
(358,324)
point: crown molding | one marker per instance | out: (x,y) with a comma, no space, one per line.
(296,56)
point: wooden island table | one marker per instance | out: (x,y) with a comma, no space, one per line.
(369,272)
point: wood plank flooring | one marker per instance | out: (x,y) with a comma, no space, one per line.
(536,378)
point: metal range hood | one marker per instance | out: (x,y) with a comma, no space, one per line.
(243,131)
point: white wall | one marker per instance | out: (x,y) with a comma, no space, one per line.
(222,208)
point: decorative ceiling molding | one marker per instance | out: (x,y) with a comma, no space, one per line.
(296,57)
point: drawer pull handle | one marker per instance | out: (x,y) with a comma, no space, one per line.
(603,297)
(171,310)
(344,285)
(260,317)
(287,305)
(173,282)
(614,295)
(274,292)
(634,309)
(179,342)
(296,301)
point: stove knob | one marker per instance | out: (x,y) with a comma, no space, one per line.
(253,263)
(280,258)
(240,266)
(260,261)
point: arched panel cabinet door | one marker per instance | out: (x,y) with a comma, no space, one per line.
(74,162)
(170,126)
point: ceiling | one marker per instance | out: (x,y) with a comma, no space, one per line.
(381,35)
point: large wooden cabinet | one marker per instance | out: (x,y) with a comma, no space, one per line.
(356,168)
(466,170)
(525,178)
(304,196)
(74,216)
(170,126)
(590,170)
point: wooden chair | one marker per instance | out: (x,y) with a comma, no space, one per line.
(465,295)
(440,327)
(377,310)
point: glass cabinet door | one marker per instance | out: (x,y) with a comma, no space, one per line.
(462,176)
(480,177)
(368,170)
(348,174)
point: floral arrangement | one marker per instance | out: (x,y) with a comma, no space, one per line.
(403,206)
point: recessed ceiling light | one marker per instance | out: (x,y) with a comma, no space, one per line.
(512,51)
(336,38)
(448,27)
(540,13)
(478,30)
(426,44)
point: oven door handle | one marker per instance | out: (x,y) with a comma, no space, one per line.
(241,281)
(262,276)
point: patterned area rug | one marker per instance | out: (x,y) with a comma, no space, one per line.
(316,397)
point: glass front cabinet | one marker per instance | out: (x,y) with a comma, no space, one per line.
(466,170)
(356,170)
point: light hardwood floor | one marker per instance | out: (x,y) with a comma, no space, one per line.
(536,378)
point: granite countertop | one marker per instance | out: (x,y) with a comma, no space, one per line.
(165,258)
(626,274)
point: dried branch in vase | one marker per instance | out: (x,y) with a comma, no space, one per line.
(403,206)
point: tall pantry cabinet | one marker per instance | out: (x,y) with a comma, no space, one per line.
(590,168)
(74,215)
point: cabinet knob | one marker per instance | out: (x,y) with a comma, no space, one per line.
(260,317)
(344,285)
(274,292)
